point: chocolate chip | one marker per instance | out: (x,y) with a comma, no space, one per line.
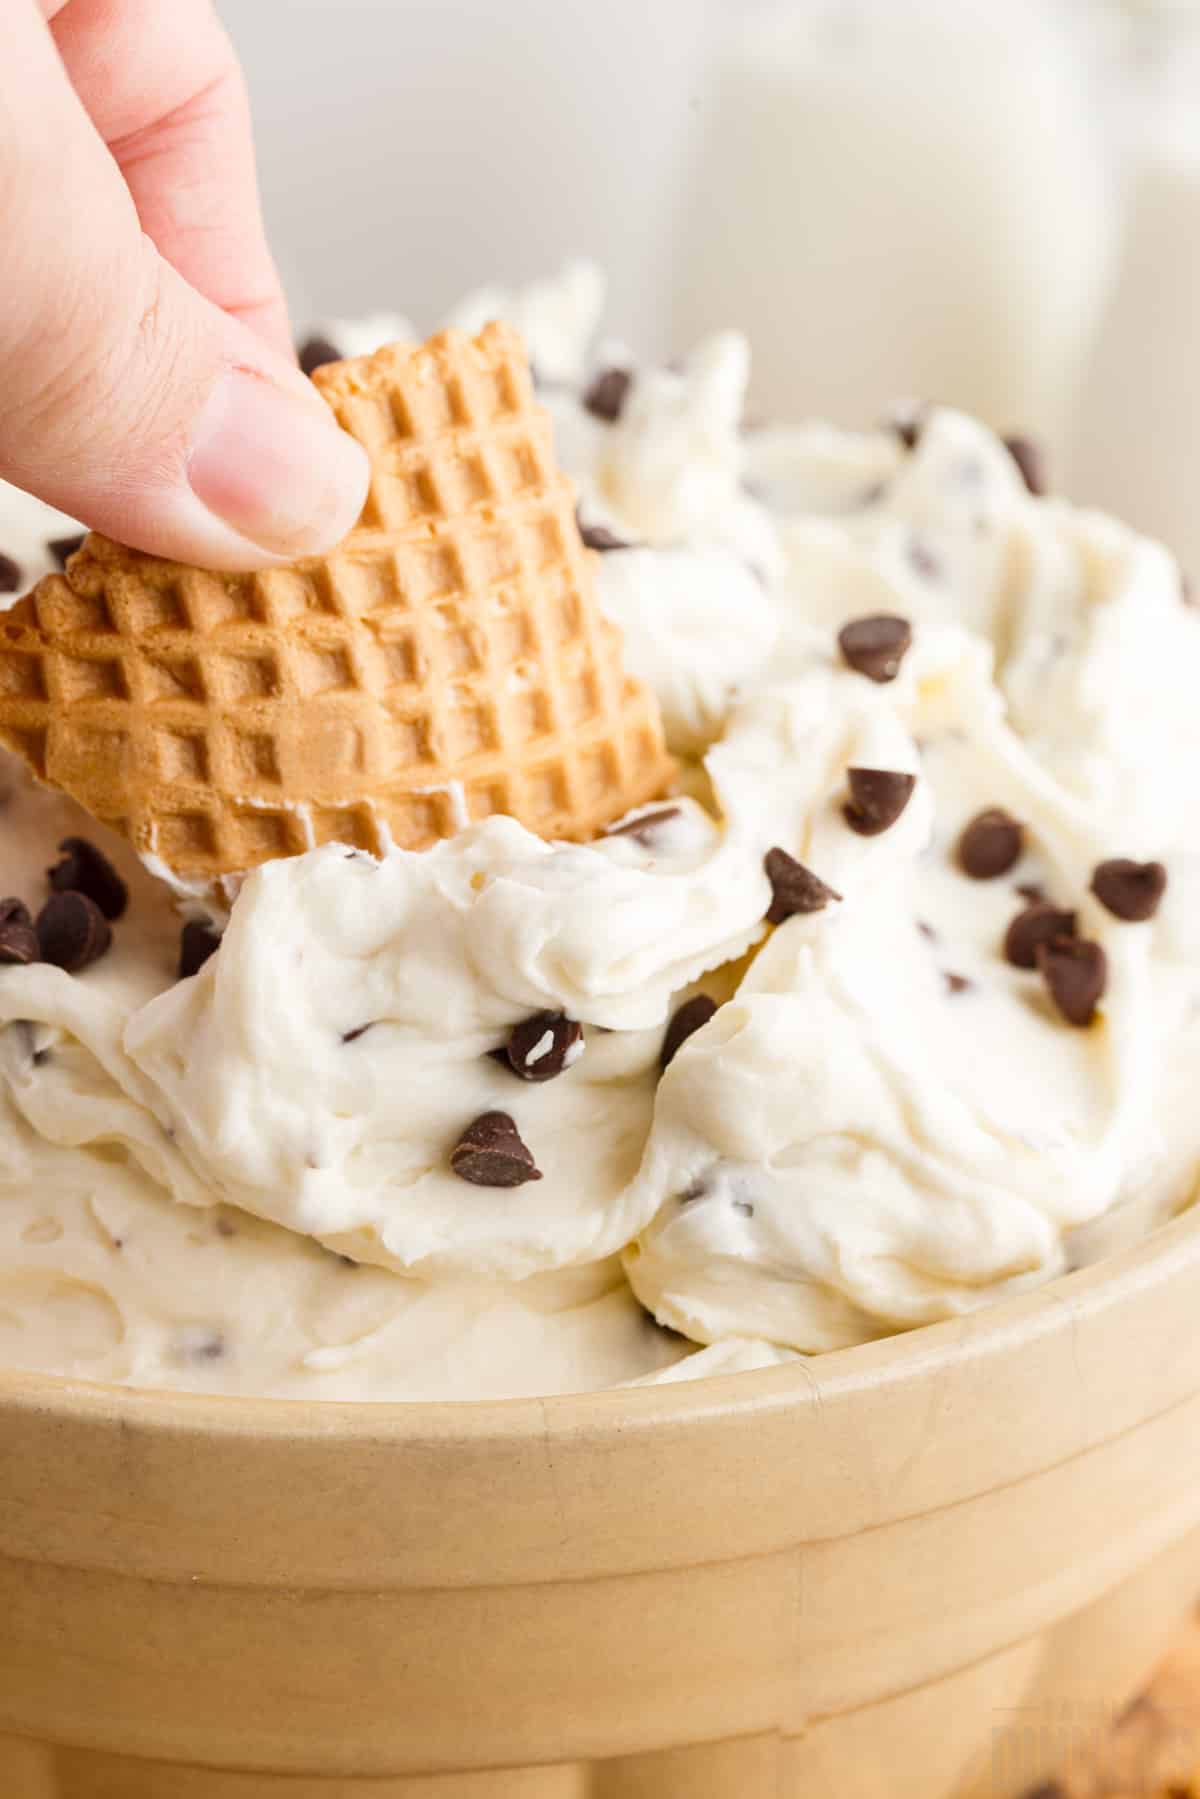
(645,828)
(18,939)
(794,888)
(315,352)
(599,537)
(607,393)
(62,548)
(957,983)
(72,931)
(877,798)
(991,844)
(10,574)
(1031,463)
(197,942)
(360,1030)
(924,560)
(542,1046)
(687,1021)
(196,1343)
(907,423)
(1076,972)
(876,646)
(85,869)
(1039,923)
(1131,891)
(490,1153)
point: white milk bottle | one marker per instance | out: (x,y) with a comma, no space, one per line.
(901,198)
(1137,446)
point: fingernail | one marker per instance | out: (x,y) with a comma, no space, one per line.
(274,468)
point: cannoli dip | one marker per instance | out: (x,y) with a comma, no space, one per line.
(891,1009)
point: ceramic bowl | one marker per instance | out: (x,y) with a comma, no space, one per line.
(923,1568)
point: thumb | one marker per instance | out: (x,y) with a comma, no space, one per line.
(126,398)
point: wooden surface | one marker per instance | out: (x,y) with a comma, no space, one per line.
(1152,1751)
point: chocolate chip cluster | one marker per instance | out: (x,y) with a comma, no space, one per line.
(74,927)
(1044,936)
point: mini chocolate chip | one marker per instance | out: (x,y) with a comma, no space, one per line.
(991,844)
(794,888)
(18,939)
(957,983)
(1030,462)
(606,395)
(490,1153)
(1076,972)
(599,537)
(197,942)
(1039,923)
(315,352)
(198,1343)
(85,869)
(908,422)
(693,1013)
(1030,890)
(63,548)
(360,1030)
(644,829)
(876,646)
(924,560)
(542,1046)
(72,931)
(10,574)
(877,798)
(1131,891)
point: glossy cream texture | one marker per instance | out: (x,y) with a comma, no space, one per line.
(884,1123)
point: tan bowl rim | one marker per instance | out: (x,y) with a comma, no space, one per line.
(1170,1252)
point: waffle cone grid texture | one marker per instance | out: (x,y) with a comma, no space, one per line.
(447,661)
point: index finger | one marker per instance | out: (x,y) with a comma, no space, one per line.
(163,86)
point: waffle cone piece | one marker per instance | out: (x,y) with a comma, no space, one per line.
(445,662)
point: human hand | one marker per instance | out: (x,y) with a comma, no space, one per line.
(147,382)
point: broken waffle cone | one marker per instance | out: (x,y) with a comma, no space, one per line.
(447,661)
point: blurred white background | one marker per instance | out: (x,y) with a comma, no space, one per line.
(411,149)
(992,205)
